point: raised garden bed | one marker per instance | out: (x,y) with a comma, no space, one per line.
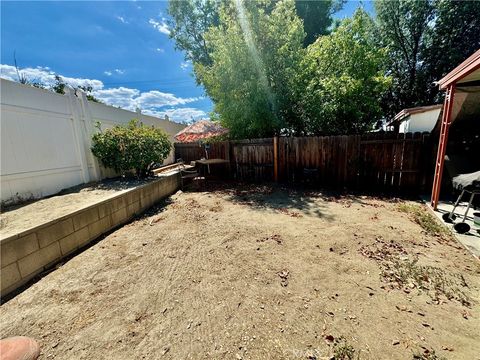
(36,236)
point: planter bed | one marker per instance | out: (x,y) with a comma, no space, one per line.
(37,235)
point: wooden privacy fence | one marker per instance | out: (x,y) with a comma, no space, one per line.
(383,161)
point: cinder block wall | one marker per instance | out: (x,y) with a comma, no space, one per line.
(26,254)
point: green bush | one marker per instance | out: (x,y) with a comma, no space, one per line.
(134,147)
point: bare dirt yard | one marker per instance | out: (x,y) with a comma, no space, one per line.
(251,272)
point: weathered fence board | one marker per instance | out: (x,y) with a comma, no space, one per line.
(253,159)
(374,161)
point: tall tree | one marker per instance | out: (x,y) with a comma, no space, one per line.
(345,79)
(263,81)
(256,55)
(455,36)
(404,27)
(317,17)
(190,20)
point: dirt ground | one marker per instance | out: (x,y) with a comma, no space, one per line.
(17,218)
(260,273)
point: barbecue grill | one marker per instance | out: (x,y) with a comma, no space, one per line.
(467,184)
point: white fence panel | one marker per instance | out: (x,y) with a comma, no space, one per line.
(46,139)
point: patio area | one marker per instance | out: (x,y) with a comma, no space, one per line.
(471,239)
(260,272)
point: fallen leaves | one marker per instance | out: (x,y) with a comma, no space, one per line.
(275,237)
(329,338)
(290,213)
(382,250)
(284,277)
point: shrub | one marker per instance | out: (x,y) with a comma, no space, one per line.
(134,147)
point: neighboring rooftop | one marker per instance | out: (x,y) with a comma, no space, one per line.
(415,110)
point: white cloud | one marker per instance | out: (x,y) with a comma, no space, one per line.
(154,102)
(45,76)
(131,99)
(121,96)
(160,26)
(184,115)
(185,65)
(116,71)
(122,19)
(154,98)
(160,50)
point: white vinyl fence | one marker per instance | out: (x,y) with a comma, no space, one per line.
(46,139)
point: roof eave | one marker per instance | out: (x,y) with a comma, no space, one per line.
(471,64)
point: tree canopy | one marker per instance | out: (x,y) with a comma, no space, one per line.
(317,17)
(455,36)
(403,28)
(190,20)
(425,40)
(343,90)
(256,56)
(281,67)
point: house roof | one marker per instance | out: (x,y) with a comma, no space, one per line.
(402,115)
(467,71)
(200,130)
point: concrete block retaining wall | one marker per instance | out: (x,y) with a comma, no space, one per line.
(26,254)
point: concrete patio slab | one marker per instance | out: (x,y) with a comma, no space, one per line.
(471,239)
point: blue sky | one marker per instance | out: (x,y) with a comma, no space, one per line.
(121,48)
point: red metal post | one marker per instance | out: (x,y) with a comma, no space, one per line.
(442,144)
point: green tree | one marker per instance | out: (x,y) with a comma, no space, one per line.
(191,19)
(132,147)
(455,36)
(188,23)
(404,29)
(425,40)
(256,53)
(345,78)
(317,17)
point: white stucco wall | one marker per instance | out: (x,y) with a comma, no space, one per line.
(45,139)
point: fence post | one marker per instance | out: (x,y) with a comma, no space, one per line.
(275,158)
(87,116)
(227,157)
(79,137)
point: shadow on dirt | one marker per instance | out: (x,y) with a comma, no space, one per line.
(292,202)
(289,199)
